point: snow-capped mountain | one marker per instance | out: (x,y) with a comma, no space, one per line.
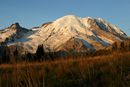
(10,34)
(69,33)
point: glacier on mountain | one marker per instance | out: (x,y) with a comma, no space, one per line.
(88,32)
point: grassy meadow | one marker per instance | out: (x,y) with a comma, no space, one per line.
(112,70)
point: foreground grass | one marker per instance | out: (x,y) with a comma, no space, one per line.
(101,71)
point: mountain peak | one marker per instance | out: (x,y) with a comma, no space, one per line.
(101,20)
(68,18)
(15,26)
(88,33)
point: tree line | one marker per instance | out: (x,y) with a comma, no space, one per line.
(12,54)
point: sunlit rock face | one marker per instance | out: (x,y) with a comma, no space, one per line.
(66,33)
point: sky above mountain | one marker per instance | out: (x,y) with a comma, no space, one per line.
(31,13)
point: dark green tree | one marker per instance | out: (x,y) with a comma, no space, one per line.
(40,53)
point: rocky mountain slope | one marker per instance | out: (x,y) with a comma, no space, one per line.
(69,33)
(10,34)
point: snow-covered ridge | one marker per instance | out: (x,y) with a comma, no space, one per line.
(10,34)
(72,32)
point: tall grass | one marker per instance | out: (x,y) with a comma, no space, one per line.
(101,71)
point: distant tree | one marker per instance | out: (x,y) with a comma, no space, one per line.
(122,45)
(40,53)
(6,55)
(3,43)
(16,55)
(29,57)
(114,46)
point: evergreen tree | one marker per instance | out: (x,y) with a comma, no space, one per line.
(114,46)
(122,45)
(40,52)
(6,55)
(16,55)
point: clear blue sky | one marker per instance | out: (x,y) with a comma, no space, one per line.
(31,13)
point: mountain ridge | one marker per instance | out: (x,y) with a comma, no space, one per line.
(87,33)
(15,31)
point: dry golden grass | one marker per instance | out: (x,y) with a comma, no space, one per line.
(101,71)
